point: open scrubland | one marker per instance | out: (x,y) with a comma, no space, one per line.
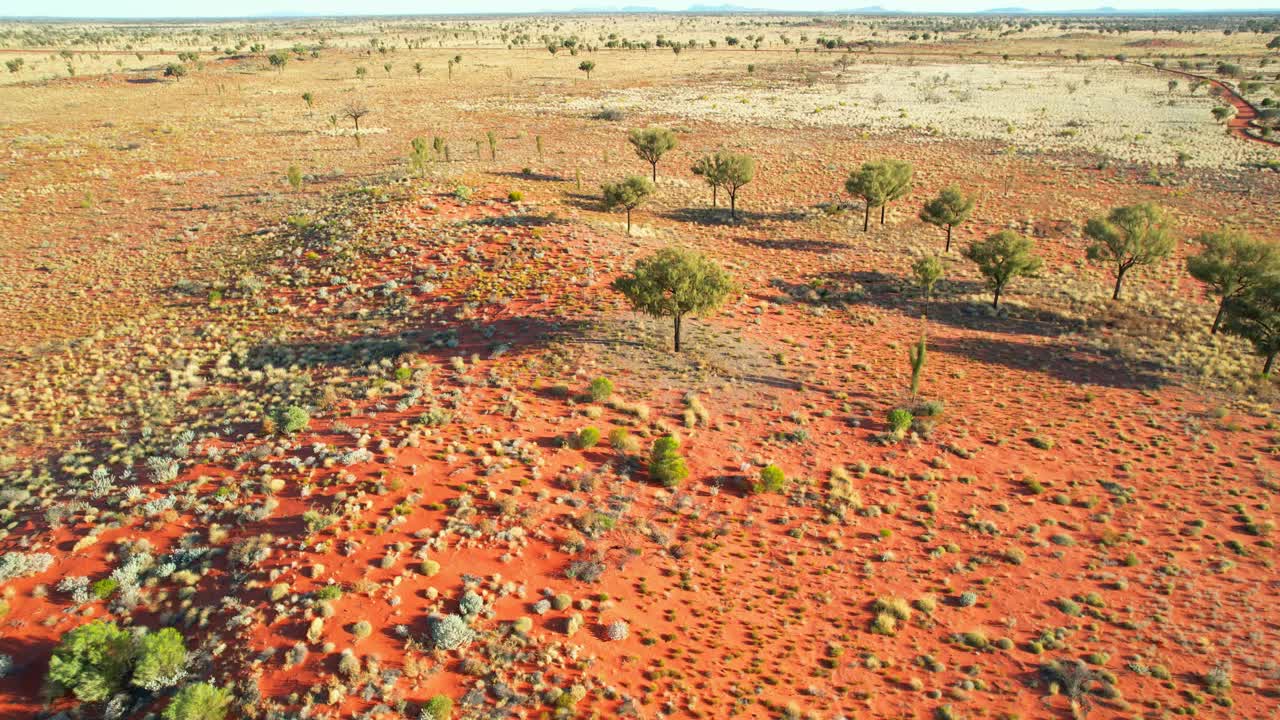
(324,390)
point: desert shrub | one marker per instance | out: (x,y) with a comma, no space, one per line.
(19,564)
(515,196)
(585,438)
(462,194)
(450,632)
(162,659)
(199,701)
(622,441)
(600,389)
(291,419)
(92,661)
(618,630)
(968,598)
(105,587)
(609,114)
(439,707)
(666,464)
(362,629)
(771,479)
(897,607)
(899,421)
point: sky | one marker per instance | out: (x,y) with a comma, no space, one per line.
(251,8)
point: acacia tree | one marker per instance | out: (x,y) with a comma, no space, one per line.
(708,168)
(949,209)
(278,61)
(355,110)
(897,176)
(736,170)
(1129,236)
(628,194)
(868,183)
(1231,263)
(1255,316)
(587,66)
(675,282)
(651,144)
(1002,257)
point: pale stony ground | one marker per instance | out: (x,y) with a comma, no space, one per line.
(1121,112)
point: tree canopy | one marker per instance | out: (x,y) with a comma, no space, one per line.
(1231,263)
(1129,236)
(674,282)
(949,209)
(1001,257)
(628,194)
(651,144)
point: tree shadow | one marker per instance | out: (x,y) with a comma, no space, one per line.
(720,216)
(821,247)
(1056,361)
(530,176)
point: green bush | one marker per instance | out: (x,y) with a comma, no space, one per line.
(291,419)
(515,196)
(666,465)
(600,390)
(92,661)
(105,588)
(161,658)
(621,440)
(585,438)
(199,701)
(771,479)
(899,421)
(439,707)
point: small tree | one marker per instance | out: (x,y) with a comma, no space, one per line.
(492,139)
(162,659)
(92,661)
(1129,236)
(1222,113)
(916,355)
(1231,263)
(1255,316)
(628,194)
(419,156)
(355,110)
(949,209)
(1002,257)
(868,183)
(666,464)
(310,100)
(711,173)
(587,66)
(177,71)
(928,271)
(651,144)
(673,283)
(736,171)
(897,182)
(294,176)
(278,60)
(418,68)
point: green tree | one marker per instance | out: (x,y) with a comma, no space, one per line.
(278,61)
(949,209)
(587,66)
(417,69)
(898,176)
(628,194)
(1231,263)
(928,270)
(651,144)
(419,156)
(177,71)
(666,464)
(873,185)
(92,661)
(708,168)
(1255,316)
(1129,236)
(310,100)
(1002,257)
(199,701)
(673,283)
(162,656)
(736,170)
(1222,113)
(294,175)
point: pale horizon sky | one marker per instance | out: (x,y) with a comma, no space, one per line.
(259,8)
